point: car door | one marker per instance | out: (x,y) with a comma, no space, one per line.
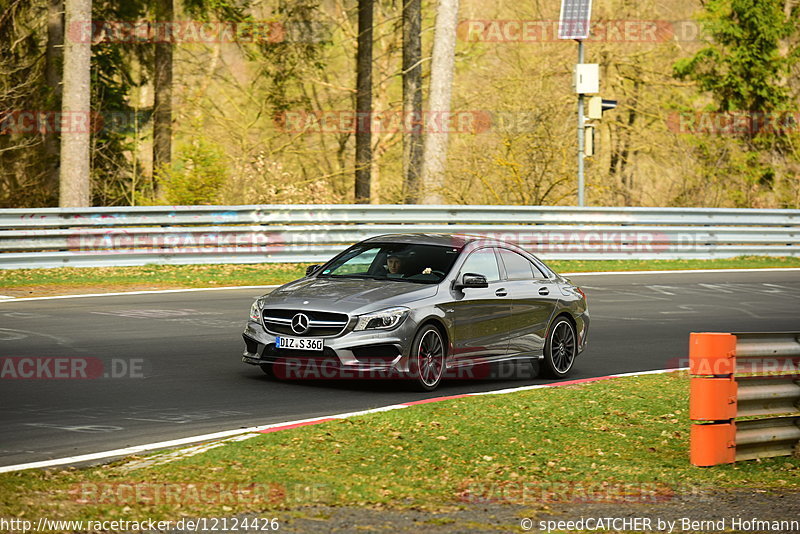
(480,316)
(533,300)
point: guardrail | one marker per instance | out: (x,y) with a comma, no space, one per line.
(53,237)
(743,375)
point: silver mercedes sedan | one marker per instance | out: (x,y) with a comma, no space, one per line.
(419,306)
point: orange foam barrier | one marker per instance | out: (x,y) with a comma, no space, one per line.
(718,397)
(712,399)
(713,444)
(712,353)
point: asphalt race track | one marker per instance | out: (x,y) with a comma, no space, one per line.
(173,359)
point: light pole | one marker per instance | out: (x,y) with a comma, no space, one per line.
(573,24)
(581,135)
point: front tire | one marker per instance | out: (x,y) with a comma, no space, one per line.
(560,349)
(428,358)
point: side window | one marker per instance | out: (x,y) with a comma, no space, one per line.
(517,267)
(538,272)
(482,261)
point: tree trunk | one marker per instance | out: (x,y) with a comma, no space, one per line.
(162,102)
(435,151)
(364,102)
(74,184)
(412,99)
(54,56)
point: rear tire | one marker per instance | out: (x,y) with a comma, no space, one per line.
(428,355)
(560,348)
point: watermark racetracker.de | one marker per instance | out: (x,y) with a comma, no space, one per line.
(44,122)
(71,368)
(732,123)
(536,492)
(183,32)
(120,241)
(786,367)
(602,31)
(200,492)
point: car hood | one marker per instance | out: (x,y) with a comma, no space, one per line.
(347,295)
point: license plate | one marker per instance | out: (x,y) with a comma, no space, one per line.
(298,343)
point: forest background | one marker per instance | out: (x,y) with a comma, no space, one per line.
(708,112)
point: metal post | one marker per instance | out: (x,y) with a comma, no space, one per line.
(581,131)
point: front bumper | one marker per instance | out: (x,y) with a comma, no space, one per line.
(369,350)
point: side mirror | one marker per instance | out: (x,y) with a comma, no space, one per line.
(471,280)
(311,269)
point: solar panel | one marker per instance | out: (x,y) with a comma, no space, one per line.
(574,20)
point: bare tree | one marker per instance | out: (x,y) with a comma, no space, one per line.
(364,102)
(435,152)
(412,99)
(162,102)
(75,190)
(52,72)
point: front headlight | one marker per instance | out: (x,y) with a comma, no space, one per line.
(383,319)
(255,311)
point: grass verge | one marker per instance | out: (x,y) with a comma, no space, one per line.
(620,434)
(33,282)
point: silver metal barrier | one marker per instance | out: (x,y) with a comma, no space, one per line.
(53,237)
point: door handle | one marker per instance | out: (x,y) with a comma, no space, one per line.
(544,291)
(501,292)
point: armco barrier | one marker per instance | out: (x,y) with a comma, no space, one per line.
(743,375)
(55,237)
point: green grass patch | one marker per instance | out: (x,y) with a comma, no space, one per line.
(624,432)
(155,276)
(741,262)
(36,281)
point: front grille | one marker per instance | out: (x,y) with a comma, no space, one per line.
(320,323)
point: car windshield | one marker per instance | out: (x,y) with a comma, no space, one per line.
(402,262)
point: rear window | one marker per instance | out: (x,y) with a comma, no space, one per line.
(518,267)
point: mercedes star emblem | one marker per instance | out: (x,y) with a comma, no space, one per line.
(300,323)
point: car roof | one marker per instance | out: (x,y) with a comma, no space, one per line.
(447,240)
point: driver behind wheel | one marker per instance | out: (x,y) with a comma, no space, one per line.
(394,266)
